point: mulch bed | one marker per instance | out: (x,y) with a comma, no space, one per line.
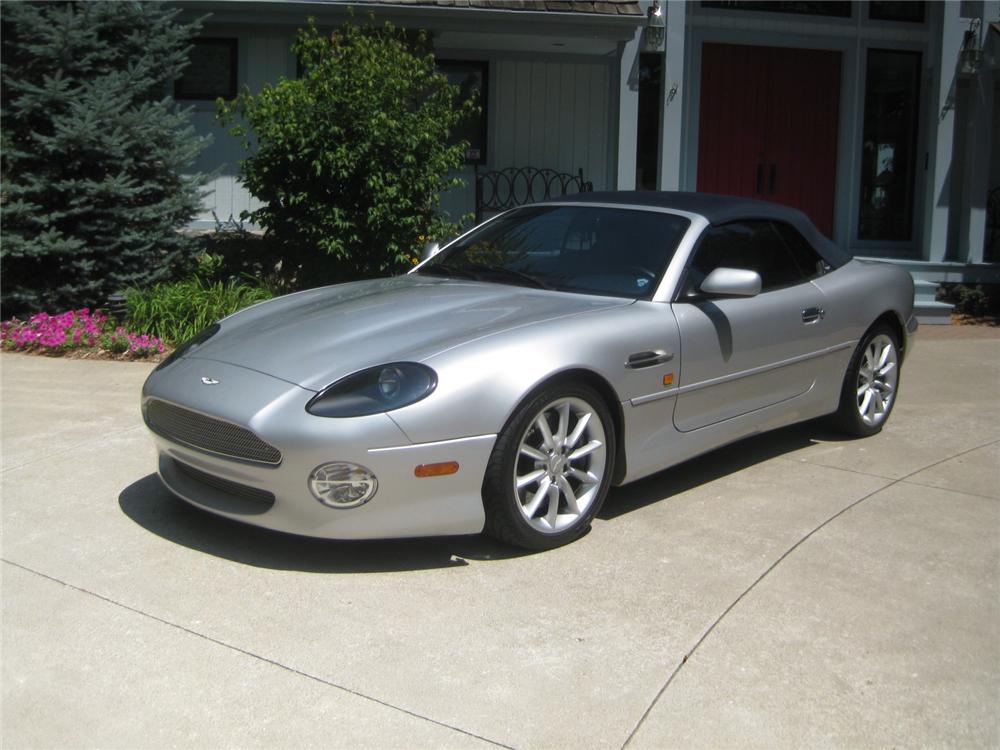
(84,353)
(963,327)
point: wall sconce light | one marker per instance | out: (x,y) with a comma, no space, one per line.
(970,58)
(655,25)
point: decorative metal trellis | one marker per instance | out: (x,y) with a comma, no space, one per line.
(501,189)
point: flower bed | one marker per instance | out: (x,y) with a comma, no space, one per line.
(79,333)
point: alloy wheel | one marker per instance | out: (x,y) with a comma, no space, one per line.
(878,375)
(560,465)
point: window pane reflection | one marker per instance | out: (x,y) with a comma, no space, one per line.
(889,148)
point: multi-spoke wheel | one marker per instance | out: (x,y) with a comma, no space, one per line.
(550,469)
(869,389)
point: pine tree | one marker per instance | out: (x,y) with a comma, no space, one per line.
(93,149)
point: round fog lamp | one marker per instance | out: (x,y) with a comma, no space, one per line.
(341,484)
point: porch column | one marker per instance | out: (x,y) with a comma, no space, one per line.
(672,117)
(942,135)
(628,110)
(979,142)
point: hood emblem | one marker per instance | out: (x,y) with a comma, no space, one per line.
(209,381)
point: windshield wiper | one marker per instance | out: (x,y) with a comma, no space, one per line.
(514,274)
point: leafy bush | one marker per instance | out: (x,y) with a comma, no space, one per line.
(231,253)
(350,158)
(971,300)
(68,330)
(176,312)
(139,344)
(75,329)
(93,151)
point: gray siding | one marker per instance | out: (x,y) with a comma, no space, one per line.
(262,59)
(542,113)
(545,114)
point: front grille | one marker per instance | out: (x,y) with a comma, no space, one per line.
(256,497)
(209,434)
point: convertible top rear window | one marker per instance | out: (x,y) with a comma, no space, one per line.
(608,251)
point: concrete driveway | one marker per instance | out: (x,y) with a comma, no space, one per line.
(793,589)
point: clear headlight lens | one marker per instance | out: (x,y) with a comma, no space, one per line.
(375,390)
(342,484)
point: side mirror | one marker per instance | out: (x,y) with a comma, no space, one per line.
(430,250)
(731,282)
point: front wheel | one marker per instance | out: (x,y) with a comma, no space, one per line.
(550,469)
(871,383)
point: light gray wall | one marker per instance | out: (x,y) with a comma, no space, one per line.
(543,111)
(262,58)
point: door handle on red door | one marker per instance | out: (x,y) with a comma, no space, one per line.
(771,179)
(760,178)
(812,314)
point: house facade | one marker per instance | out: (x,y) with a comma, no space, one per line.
(878,119)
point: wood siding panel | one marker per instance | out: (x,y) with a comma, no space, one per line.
(567,134)
(262,59)
(544,114)
(551,115)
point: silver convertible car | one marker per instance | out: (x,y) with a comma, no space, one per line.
(507,381)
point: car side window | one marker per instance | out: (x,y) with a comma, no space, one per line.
(805,255)
(753,245)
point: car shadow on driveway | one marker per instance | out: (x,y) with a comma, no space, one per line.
(153,507)
(716,464)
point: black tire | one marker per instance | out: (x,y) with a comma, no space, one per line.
(849,417)
(506,508)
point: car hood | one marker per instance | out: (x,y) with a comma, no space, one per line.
(316,337)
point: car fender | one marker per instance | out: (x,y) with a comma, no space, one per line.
(481,383)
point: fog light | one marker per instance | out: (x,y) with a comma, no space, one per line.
(341,484)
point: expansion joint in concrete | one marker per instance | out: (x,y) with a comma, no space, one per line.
(253,655)
(746,592)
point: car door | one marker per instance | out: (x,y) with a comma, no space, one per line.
(742,354)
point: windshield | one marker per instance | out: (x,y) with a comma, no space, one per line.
(610,251)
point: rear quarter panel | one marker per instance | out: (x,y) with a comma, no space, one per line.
(860,292)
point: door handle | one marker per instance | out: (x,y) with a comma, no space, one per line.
(760,178)
(647,359)
(812,314)
(771,179)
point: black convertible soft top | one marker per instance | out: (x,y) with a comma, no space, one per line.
(719,209)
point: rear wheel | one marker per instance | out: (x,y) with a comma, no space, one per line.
(871,383)
(550,469)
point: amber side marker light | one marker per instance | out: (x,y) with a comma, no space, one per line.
(436,470)
(668,378)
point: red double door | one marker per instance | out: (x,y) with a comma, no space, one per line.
(768,126)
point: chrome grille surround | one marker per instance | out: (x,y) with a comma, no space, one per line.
(208,433)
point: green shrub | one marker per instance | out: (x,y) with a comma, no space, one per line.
(350,158)
(176,312)
(234,254)
(971,300)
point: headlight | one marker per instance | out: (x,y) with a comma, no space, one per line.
(199,338)
(375,390)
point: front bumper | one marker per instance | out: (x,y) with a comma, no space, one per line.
(277,496)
